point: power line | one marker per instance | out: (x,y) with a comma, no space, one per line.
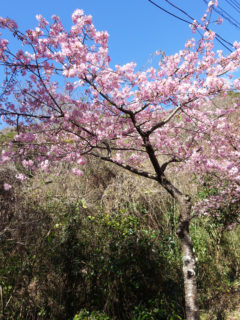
(168,12)
(223,13)
(181,10)
(219,38)
(234,4)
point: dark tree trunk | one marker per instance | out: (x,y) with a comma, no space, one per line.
(189,272)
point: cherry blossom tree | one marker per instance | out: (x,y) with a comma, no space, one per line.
(67,103)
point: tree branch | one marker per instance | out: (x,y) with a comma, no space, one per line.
(126,166)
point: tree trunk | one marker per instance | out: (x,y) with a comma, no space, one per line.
(189,273)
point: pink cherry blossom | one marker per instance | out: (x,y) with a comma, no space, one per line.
(21,176)
(7,186)
(81,161)
(27,163)
(171,119)
(219,20)
(77,172)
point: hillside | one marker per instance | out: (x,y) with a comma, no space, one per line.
(106,243)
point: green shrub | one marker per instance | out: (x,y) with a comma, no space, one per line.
(77,259)
(60,255)
(94,315)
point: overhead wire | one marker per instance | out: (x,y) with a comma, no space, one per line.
(168,12)
(219,38)
(234,5)
(223,13)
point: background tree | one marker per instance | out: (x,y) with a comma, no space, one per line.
(66,102)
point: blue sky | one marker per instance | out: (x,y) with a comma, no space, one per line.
(137,28)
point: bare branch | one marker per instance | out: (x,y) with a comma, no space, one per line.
(164,165)
(126,166)
(162,123)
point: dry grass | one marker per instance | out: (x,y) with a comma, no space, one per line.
(109,188)
(106,187)
(235,315)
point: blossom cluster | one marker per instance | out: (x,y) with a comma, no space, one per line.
(74,103)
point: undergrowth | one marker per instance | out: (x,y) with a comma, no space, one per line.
(104,247)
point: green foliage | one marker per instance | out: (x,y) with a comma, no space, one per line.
(94,261)
(218,255)
(64,260)
(6,136)
(153,311)
(94,315)
(218,265)
(233,94)
(122,263)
